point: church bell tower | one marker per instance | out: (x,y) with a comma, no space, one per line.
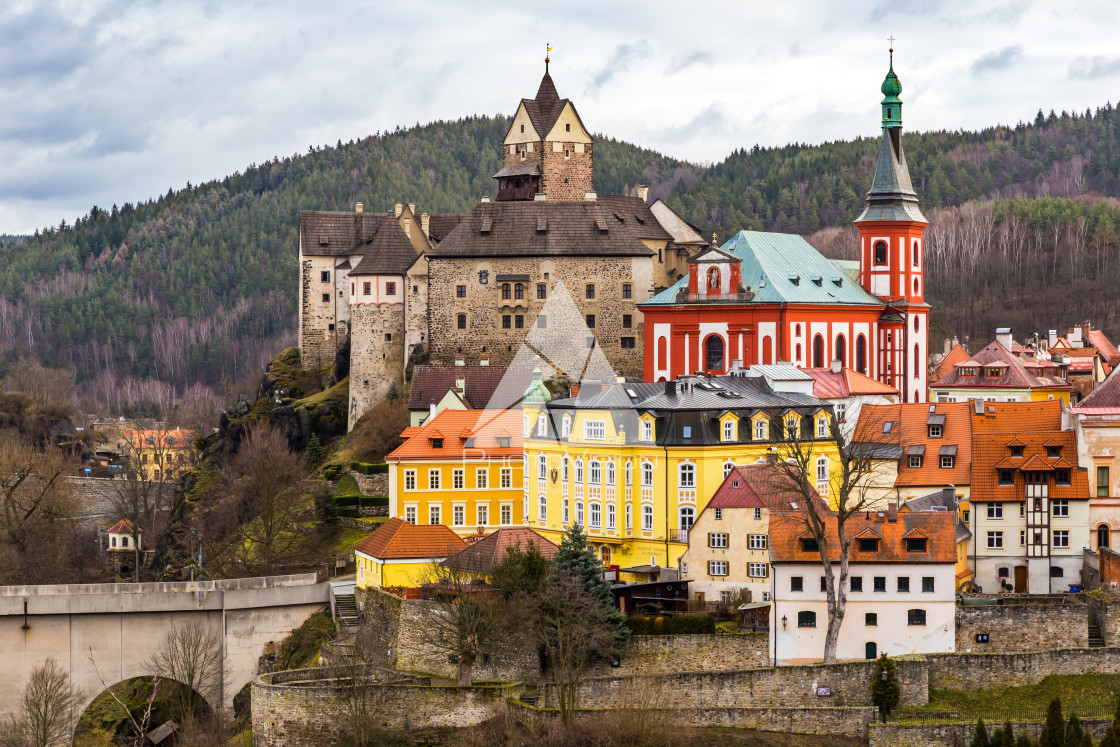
(891,262)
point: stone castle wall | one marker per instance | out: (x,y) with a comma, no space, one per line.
(939,735)
(993,671)
(664,654)
(376,354)
(316,339)
(772,687)
(567,178)
(1032,624)
(484,306)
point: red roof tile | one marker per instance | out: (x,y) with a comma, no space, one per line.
(937,527)
(397,539)
(485,427)
(1014,376)
(760,486)
(828,384)
(1105,396)
(482,556)
(908,428)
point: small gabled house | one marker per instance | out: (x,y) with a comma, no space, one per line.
(399,554)
(480,558)
(901,592)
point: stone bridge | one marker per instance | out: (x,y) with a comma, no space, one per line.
(123,625)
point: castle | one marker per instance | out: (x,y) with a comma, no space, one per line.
(655,297)
(465,288)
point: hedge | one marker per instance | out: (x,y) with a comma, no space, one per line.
(360,500)
(671,625)
(369,469)
(332,472)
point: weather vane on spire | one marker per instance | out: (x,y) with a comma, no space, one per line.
(547,51)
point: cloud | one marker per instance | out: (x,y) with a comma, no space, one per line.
(620,61)
(1000,60)
(1095,67)
(685,61)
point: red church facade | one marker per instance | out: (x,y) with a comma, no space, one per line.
(768,297)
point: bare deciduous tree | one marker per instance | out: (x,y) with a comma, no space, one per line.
(851,489)
(191,654)
(141,718)
(47,712)
(574,630)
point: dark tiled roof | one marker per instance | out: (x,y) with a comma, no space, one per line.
(430,383)
(482,556)
(545,109)
(387,252)
(326,233)
(441,224)
(1105,395)
(610,225)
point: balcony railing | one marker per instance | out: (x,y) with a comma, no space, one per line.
(686,297)
(678,535)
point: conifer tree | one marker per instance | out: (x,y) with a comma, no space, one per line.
(1054,730)
(1074,731)
(577,557)
(314,452)
(1007,737)
(980,736)
(885,691)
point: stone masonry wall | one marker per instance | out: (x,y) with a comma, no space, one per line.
(1030,626)
(1109,567)
(310,713)
(664,654)
(567,178)
(775,687)
(990,671)
(484,306)
(376,354)
(1104,611)
(939,735)
(317,341)
(372,484)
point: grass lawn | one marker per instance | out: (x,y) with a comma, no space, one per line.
(347,538)
(1081,689)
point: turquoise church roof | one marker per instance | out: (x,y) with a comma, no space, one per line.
(784,268)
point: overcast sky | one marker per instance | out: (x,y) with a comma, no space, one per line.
(105,102)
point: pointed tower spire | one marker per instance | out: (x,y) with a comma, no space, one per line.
(892,195)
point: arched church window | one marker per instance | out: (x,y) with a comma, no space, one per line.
(915,253)
(861,354)
(841,348)
(797,355)
(797,330)
(713,353)
(880,252)
(915,286)
(818,352)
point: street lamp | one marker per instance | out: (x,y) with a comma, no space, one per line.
(883,695)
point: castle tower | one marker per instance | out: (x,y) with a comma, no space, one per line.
(547,150)
(891,237)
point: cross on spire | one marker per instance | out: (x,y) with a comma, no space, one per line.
(891,50)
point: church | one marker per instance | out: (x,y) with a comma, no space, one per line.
(768,297)
(467,288)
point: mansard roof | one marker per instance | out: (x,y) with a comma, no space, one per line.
(611,225)
(783,268)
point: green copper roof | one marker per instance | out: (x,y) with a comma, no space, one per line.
(891,86)
(537,393)
(783,268)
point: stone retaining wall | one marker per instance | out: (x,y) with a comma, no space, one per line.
(939,735)
(302,708)
(665,654)
(773,687)
(1023,624)
(372,485)
(1104,611)
(992,671)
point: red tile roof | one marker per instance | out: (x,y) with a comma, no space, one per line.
(482,556)
(1017,417)
(454,427)
(1101,342)
(937,527)
(956,355)
(1015,372)
(829,384)
(760,486)
(909,428)
(397,539)
(124,526)
(1105,396)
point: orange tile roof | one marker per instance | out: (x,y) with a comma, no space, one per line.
(124,526)
(956,355)
(482,556)
(828,384)
(1032,426)
(1015,372)
(909,428)
(486,426)
(1101,342)
(937,527)
(397,539)
(760,486)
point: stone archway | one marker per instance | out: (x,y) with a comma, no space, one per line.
(170,701)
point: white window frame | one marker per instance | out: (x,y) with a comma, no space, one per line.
(729,430)
(542,509)
(459,515)
(760,429)
(647,430)
(717,540)
(595,473)
(947,462)
(542,467)
(757,570)
(458,478)
(822,427)
(1060,539)
(579,471)
(542,426)
(435,478)
(410,479)
(995,511)
(595,515)
(506,477)
(686,475)
(481,478)
(647,518)
(757,542)
(628,472)
(995,540)
(1060,508)
(594,430)
(505,514)
(647,474)
(564,464)
(822,469)
(727,467)
(482,514)
(629,517)
(410,514)
(610,472)
(565,426)
(717,567)
(915,461)
(579,513)
(610,516)
(435,514)
(757,513)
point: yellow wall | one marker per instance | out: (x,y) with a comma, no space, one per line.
(662,543)
(447,497)
(375,573)
(173,461)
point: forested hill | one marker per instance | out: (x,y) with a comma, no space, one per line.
(197,287)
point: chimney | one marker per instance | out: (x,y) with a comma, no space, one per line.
(1003,337)
(412,208)
(425,219)
(948,345)
(1075,338)
(643,193)
(892,512)
(460,360)
(358,207)
(397,210)
(836,366)
(949,495)
(590,196)
(484,359)
(408,227)
(1052,337)
(485,198)
(670,387)
(539,197)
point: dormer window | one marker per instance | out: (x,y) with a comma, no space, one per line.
(994,372)
(1053,452)
(1016,450)
(968,372)
(868,545)
(935,431)
(437,443)
(468,442)
(503,442)
(916,544)
(809,544)
(647,430)
(888,426)
(1006,477)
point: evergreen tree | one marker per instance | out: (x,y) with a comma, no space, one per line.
(980,736)
(886,693)
(314,452)
(1073,731)
(1024,741)
(577,557)
(1054,730)
(1086,739)
(1007,736)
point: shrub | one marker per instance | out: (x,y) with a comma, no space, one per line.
(332,472)
(366,468)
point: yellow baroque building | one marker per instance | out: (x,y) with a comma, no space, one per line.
(636,463)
